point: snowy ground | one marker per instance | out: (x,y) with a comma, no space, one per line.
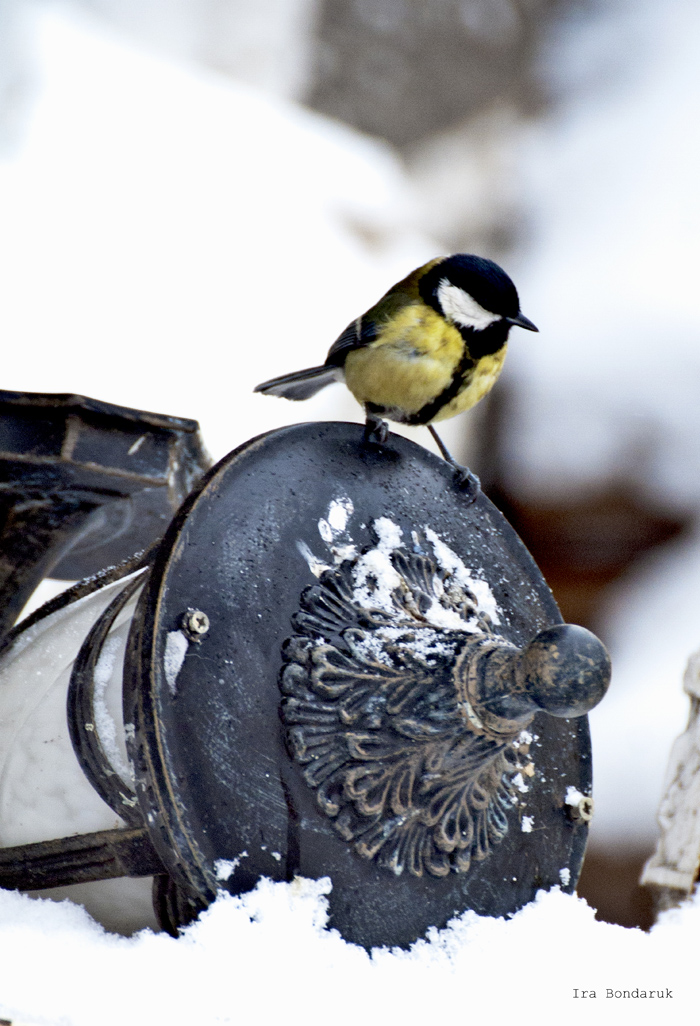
(231,238)
(265,958)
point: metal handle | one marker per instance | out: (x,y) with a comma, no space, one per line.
(564,671)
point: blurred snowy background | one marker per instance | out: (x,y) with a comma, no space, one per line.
(198,194)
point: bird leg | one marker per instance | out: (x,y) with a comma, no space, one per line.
(376,429)
(464,479)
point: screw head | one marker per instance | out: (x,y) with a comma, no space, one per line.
(195,623)
(582,811)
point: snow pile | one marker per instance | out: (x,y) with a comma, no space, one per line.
(266,957)
(376,579)
(376,563)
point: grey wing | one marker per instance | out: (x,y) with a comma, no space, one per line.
(357,335)
(301,384)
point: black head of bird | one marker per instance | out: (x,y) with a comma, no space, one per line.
(432,347)
(472,293)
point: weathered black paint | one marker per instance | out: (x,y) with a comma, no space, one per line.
(215,779)
(83,485)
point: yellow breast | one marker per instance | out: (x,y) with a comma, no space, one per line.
(412,360)
(481,381)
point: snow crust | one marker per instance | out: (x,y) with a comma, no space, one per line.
(374,576)
(226,867)
(176,645)
(266,957)
(451,562)
(376,579)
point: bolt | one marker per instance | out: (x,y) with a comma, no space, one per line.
(195,624)
(582,812)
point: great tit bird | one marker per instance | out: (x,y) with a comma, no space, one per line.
(432,347)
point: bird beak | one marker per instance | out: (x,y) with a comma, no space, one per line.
(521,322)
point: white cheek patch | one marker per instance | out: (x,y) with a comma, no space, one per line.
(461,308)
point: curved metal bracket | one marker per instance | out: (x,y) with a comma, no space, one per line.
(80,709)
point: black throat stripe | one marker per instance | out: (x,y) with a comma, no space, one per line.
(477,344)
(431,409)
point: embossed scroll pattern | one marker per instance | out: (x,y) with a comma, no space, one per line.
(377,712)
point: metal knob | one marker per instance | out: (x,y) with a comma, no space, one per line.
(564,671)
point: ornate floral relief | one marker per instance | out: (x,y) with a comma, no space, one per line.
(379,710)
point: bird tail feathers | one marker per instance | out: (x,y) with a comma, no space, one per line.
(300,385)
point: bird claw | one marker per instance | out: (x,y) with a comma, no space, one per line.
(467,482)
(376,430)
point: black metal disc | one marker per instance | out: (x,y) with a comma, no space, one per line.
(226,800)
